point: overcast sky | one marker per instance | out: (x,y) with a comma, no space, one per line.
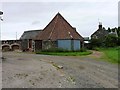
(82,14)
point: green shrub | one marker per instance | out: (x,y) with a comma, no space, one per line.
(111,41)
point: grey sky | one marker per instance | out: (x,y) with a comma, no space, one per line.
(119,14)
(84,15)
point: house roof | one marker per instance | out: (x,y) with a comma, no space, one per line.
(30,34)
(58,28)
(100,33)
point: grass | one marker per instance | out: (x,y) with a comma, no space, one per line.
(111,54)
(66,53)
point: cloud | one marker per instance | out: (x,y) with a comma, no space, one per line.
(35,22)
(119,14)
(60,1)
(22,16)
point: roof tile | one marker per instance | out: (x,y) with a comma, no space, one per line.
(58,28)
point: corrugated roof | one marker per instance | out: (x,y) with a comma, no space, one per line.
(30,34)
(58,28)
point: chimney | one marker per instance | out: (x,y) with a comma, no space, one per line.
(100,25)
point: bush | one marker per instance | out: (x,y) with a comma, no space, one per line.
(96,43)
(107,41)
(111,41)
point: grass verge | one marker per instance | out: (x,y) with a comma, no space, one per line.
(111,54)
(66,53)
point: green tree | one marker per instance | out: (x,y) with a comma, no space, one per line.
(118,31)
(111,41)
(96,43)
(109,30)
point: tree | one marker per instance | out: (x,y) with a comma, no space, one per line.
(96,43)
(118,31)
(111,41)
(109,30)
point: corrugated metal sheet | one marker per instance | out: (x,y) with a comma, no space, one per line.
(64,44)
(69,44)
(76,44)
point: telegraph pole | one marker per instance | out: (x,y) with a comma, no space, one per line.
(1,57)
(16,35)
(1,13)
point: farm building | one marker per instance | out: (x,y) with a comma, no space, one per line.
(11,45)
(59,34)
(102,32)
(27,37)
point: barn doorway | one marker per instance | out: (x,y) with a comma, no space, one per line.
(5,48)
(30,43)
(15,47)
(38,45)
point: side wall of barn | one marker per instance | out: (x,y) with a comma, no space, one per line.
(70,45)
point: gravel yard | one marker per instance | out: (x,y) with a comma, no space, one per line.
(25,70)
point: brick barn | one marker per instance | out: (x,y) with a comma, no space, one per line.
(58,34)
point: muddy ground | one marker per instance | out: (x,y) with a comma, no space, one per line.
(25,70)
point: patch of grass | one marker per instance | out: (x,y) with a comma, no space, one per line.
(111,54)
(66,53)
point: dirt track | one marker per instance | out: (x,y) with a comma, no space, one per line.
(21,70)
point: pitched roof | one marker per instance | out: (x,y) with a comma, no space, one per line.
(100,33)
(30,34)
(58,28)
